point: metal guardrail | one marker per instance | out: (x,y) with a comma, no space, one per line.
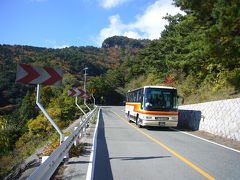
(46,170)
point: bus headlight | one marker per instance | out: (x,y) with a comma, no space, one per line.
(174,118)
(148,117)
(162,118)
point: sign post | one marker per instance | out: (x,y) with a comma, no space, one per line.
(40,75)
(86,104)
(93,91)
(78,92)
(46,114)
(76,102)
(93,101)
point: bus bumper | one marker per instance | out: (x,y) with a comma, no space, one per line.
(160,123)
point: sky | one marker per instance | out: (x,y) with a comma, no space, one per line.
(64,23)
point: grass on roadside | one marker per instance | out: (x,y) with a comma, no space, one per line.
(94,118)
(11,161)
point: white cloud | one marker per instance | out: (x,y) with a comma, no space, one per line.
(148,25)
(61,47)
(53,44)
(116,27)
(111,3)
(132,34)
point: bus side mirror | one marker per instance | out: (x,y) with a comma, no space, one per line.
(181,98)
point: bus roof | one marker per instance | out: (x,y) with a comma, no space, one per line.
(161,87)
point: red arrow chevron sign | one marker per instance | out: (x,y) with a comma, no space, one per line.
(38,75)
(72,92)
(78,92)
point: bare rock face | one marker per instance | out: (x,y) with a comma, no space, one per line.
(124,42)
(26,167)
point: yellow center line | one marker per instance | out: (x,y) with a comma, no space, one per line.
(168,149)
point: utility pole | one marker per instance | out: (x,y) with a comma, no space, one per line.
(84,87)
(85,79)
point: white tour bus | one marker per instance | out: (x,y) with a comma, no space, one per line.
(153,106)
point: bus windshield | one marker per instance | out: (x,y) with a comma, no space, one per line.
(157,99)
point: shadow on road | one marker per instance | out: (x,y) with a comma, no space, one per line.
(159,128)
(78,162)
(102,169)
(140,158)
(106,107)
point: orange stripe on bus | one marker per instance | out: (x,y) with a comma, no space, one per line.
(137,109)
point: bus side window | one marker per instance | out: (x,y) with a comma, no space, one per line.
(134,96)
(138,96)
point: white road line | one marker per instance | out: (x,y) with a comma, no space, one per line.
(91,164)
(207,140)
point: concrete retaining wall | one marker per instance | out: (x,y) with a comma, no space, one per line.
(218,117)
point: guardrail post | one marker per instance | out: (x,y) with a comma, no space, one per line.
(66,157)
(76,141)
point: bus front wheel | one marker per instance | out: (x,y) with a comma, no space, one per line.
(128,115)
(138,122)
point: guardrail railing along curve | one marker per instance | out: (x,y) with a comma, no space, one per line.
(46,169)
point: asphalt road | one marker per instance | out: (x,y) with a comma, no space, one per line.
(127,152)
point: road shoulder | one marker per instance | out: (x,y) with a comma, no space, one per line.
(77,166)
(214,138)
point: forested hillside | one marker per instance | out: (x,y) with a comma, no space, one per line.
(198,53)
(72,60)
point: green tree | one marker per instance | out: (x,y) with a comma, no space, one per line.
(4,139)
(27,111)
